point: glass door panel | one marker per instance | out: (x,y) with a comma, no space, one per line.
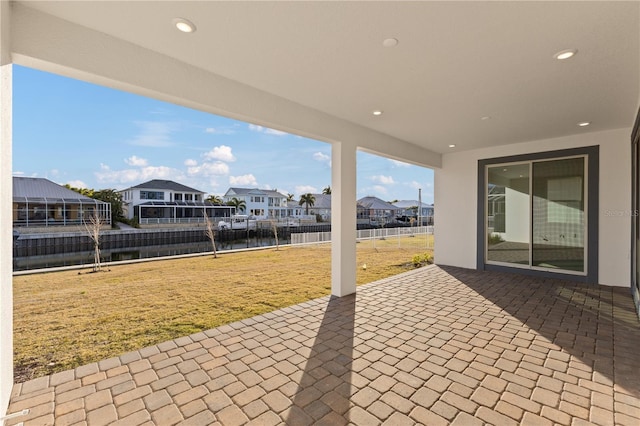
(558,225)
(508,214)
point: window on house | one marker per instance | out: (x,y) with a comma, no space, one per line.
(177,196)
(151,195)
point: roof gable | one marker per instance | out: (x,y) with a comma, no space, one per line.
(166,185)
(375,203)
(253,191)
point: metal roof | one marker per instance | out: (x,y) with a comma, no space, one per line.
(41,189)
(323,201)
(166,185)
(253,191)
(375,203)
(405,204)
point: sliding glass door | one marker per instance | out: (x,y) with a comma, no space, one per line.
(535,214)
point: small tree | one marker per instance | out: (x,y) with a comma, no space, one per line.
(94,228)
(274,227)
(240,205)
(210,232)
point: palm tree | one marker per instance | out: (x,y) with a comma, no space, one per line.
(215,199)
(290,197)
(240,205)
(327,190)
(307,199)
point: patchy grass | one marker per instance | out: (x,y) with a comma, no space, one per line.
(66,319)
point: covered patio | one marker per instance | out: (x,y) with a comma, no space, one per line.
(438,345)
(486,93)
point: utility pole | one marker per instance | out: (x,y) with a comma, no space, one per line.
(419,206)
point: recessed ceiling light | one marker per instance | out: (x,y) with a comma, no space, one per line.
(377,112)
(390,42)
(565,54)
(452,145)
(584,123)
(184,25)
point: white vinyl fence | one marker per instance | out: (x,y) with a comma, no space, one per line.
(363,234)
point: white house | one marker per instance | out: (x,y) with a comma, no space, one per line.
(538,98)
(262,203)
(166,201)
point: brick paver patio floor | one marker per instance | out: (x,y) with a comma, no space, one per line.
(433,346)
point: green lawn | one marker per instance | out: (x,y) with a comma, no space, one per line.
(66,319)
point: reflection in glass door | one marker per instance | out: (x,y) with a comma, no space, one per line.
(558,227)
(536,214)
(508,214)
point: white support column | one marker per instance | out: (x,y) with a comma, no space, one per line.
(6,220)
(343,219)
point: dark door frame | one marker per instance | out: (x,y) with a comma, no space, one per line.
(592,154)
(635,210)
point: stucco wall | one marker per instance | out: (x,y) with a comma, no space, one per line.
(456,200)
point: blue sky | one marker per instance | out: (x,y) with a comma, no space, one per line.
(91,136)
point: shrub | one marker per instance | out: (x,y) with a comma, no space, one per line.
(131,222)
(422,259)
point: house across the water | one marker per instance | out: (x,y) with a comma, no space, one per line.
(40,205)
(167,202)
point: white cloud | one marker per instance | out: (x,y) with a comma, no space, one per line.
(321,157)
(399,163)
(222,153)
(136,161)
(244,180)
(111,177)
(153,134)
(384,180)
(76,184)
(54,172)
(190,162)
(219,131)
(268,131)
(304,189)
(217,168)
(380,190)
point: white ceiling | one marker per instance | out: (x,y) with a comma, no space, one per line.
(455,63)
